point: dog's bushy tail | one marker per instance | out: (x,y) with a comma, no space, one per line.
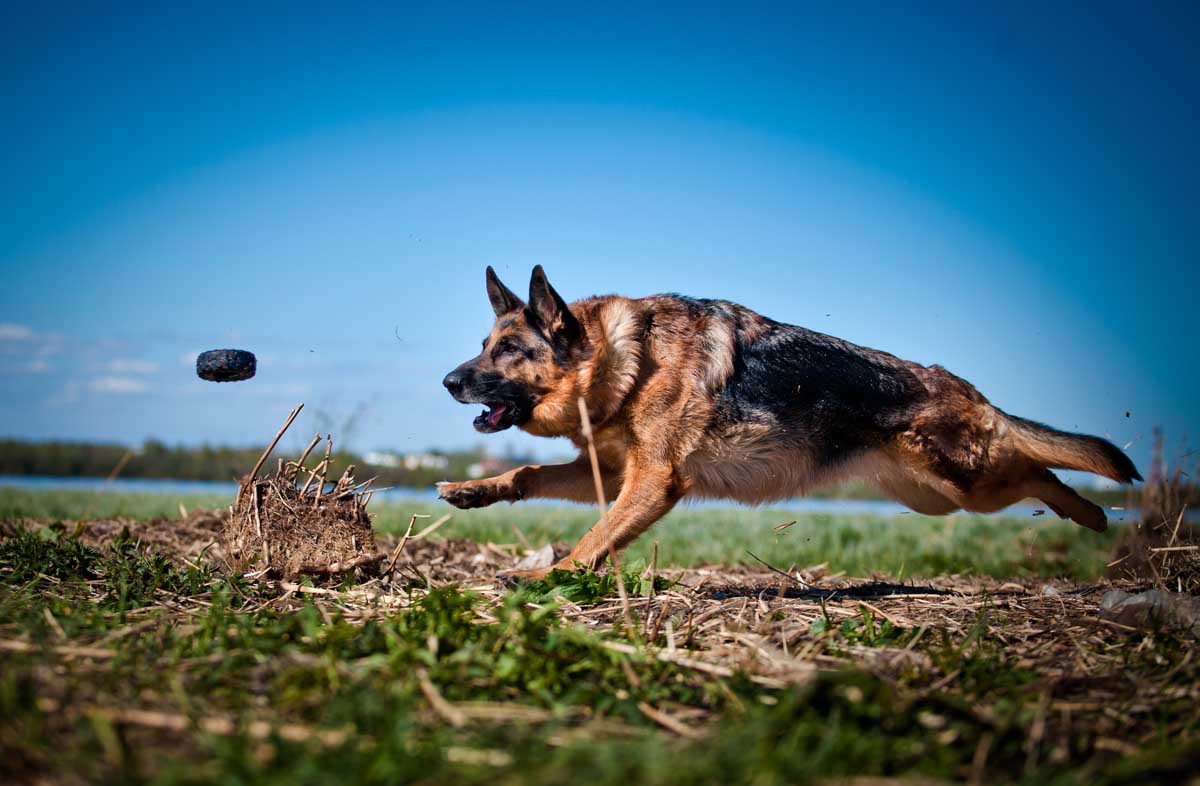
(1062,450)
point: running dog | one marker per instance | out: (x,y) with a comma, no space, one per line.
(691,397)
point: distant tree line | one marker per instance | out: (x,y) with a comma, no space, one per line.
(154,459)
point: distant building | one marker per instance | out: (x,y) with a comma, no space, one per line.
(487,465)
(491,465)
(412,461)
(425,461)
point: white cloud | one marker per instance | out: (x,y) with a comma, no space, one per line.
(10,331)
(130,366)
(189,358)
(117,385)
(23,350)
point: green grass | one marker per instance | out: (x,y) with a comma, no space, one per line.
(192,644)
(73,504)
(908,546)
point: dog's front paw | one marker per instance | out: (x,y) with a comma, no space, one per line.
(469,494)
(515,578)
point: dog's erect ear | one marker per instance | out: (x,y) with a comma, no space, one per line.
(550,310)
(503,299)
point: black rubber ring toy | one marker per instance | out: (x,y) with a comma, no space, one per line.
(226,365)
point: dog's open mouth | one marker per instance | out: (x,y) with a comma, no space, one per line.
(496,417)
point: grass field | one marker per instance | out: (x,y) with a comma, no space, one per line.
(124,663)
(897,546)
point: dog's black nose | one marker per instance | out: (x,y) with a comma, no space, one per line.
(454,382)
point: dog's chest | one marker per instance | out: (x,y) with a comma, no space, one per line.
(611,448)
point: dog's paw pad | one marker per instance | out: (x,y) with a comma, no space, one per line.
(462,496)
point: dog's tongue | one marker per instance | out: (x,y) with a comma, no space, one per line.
(494,416)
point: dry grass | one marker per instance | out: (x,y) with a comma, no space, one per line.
(1010,676)
(761,622)
(1163,549)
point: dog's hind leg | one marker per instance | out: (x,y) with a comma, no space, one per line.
(918,497)
(1001,489)
(1067,502)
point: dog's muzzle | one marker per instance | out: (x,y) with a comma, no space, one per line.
(498,416)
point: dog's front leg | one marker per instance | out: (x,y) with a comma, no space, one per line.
(571,481)
(477,493)
(648,494)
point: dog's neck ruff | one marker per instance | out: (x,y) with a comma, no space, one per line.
(616,361)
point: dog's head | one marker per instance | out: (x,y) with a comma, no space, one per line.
(530,349)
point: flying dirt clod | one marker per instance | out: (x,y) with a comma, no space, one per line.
(226,365)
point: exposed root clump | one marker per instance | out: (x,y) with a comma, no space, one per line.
(294,523)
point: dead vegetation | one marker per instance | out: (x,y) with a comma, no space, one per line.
(291,523)
(998,666)
(1163,549)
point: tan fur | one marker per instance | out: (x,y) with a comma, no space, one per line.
(716,342)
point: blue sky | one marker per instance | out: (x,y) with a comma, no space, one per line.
(1008,192)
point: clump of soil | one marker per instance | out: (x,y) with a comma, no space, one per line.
(294,523)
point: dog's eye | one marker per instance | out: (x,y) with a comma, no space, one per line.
(507,348)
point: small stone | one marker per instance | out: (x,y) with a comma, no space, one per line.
(1112,598)
(1153,607)
(542,558)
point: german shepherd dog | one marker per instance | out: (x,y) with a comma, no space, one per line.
(691,397)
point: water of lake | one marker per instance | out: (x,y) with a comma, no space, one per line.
(228,489)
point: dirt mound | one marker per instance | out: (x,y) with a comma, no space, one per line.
(291,523)
(280,527)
